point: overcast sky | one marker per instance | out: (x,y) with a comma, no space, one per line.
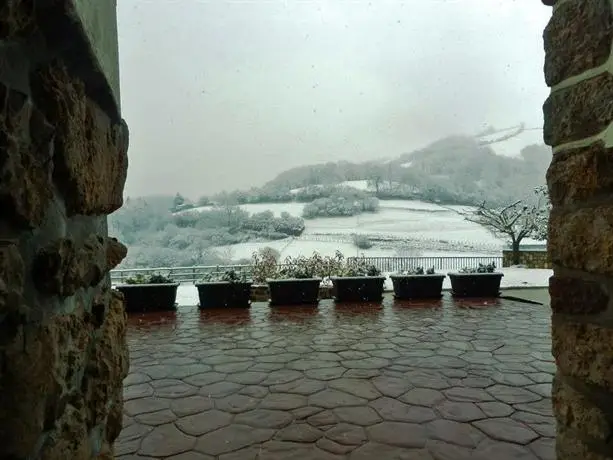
(221,94)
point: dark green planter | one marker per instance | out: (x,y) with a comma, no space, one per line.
(358,288)
(224,294)
(475,284)
(407,287)
(294,291)
(148,297)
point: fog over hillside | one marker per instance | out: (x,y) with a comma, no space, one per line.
(320,124)
(323,207)
(455,169)
(248,89)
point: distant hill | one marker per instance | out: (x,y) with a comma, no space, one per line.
(455,169)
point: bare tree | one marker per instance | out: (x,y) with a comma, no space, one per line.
(521,219)
(374,181)
(227,254)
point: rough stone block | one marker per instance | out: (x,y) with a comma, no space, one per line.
(115,253)
(66,266)
(103,378)
(25,165)
(13,311)
(72,338)
(90,151)
(15,19)
(575,412)
(576,296)
(27,365)
(579,174)
(579,111)
(531,259)
(582,239)
(577,38)
(584,351)
(571,447)
(12,274)
(44,362)
(70,440)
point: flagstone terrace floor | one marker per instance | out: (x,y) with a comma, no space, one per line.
(445,381)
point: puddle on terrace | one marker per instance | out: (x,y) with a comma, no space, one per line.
(327,313)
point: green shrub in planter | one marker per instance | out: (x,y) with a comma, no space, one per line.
(480,281)
(228,290)
(417,284)
(357,281)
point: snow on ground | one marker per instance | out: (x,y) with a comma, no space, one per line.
(525,277)
(397,219)
(513,278)
(294,209)
(293,248)
(402,218)
(356,184)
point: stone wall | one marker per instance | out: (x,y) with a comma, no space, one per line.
(531,259)
(578,116)
(63,162)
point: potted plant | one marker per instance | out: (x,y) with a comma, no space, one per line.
(357,281)
(296,282)
(481,281)
(417,284)
(149,293)
(231,289)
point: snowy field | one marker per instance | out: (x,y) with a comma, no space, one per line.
(396,219)
(513,278)
(297,247)
(439,231)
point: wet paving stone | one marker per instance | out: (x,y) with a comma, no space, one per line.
(458,434)
(360,415)
(448,382)
(231,438)
(397,411)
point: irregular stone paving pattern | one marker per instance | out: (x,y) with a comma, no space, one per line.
(441,381)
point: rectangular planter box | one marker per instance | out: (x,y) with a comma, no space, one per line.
(223,294)
(261,293)
(294,291)
(475,284)
(408,287)
(358,288)
(149,297)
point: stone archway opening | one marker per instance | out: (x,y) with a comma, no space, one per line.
(63,163)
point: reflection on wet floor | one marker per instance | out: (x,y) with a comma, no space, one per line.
(444,379)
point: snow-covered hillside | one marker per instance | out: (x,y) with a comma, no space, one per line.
(400,227)
(356,184)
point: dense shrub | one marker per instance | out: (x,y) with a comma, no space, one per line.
(362,242)
(266,265)
(340,206)
(266,223)
(158,238)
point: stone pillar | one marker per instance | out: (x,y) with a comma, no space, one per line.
(63,161)
(578,116)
